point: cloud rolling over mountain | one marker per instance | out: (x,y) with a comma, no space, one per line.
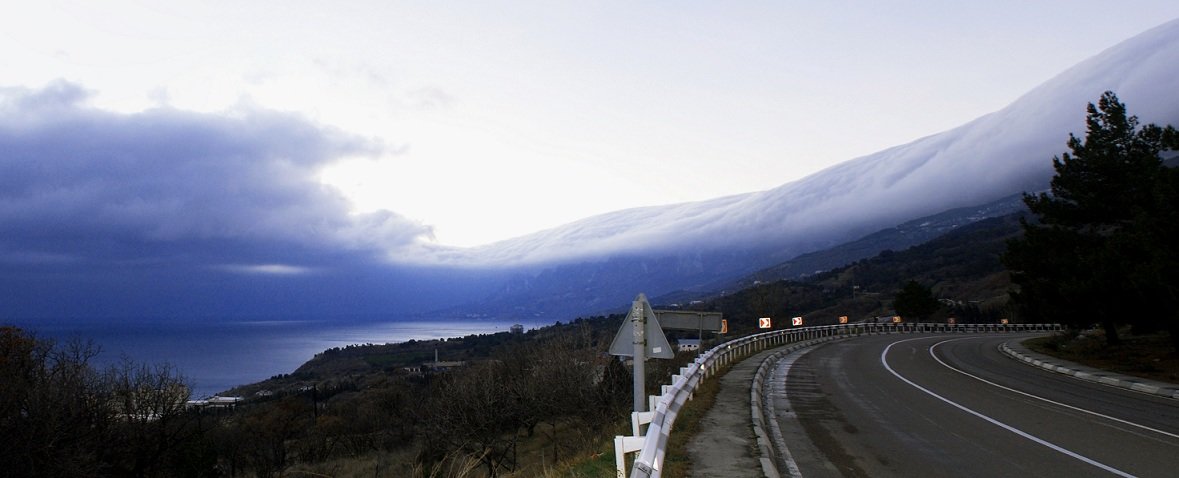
(168,212)
(1000,154)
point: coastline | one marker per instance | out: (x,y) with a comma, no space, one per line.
(219,355)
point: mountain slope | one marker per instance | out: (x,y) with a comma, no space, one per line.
(994,156)
(902,236)
(962,267)
(998,155)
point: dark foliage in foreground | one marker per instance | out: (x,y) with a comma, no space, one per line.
(1102,247)
(62,417)
(59,416)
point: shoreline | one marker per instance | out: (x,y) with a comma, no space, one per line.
(218,356)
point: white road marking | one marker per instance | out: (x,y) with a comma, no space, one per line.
(1070,407)
(884,361)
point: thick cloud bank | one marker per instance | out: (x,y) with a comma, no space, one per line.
(997,155)
(239,191)
(174,213)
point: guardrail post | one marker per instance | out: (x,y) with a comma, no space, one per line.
(622,446)
(638,419)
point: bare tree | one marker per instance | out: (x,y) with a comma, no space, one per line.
(53,407)
(151,421)
(475,412)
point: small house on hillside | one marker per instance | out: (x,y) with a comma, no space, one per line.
(688,345)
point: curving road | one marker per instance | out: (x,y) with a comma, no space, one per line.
(953,405)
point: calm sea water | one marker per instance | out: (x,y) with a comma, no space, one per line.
(216,356)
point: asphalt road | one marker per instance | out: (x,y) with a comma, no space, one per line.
(953,405)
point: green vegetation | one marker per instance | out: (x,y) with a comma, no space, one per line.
(1101,247)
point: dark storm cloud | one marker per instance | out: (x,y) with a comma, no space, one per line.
(83,187)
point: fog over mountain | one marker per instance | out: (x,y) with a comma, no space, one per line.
(181,214)
(598,263)
(997,155)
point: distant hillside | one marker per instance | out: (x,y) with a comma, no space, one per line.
(903,236)
(961,266)
(605,286)
(900,237)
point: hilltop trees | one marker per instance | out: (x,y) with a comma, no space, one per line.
(1100,249)
(915,301)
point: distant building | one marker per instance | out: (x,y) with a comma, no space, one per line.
(688,345)
(435,366)
(517,329)
(215,401)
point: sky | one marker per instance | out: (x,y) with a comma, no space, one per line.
(397,127)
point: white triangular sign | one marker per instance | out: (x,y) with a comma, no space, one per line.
(657,345)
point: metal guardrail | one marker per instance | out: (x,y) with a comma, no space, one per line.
(652,445)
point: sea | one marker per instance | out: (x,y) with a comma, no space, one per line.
(217,355)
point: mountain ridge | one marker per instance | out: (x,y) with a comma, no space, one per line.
(580,267)
(1015,145)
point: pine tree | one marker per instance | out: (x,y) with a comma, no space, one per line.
(1086,258)
(915,301)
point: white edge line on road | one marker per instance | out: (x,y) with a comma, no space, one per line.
(1070,407)
(783,363)
(884,361)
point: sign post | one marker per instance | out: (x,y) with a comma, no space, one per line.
(638,329)
(641,337)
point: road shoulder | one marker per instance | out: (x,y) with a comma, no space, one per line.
(726,445)
(1018,351)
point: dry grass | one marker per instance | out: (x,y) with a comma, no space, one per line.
(1146,356)
(593,463)
(384,464)
(677,462)
(580,456)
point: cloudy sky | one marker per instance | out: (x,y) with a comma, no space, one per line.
(366,124)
